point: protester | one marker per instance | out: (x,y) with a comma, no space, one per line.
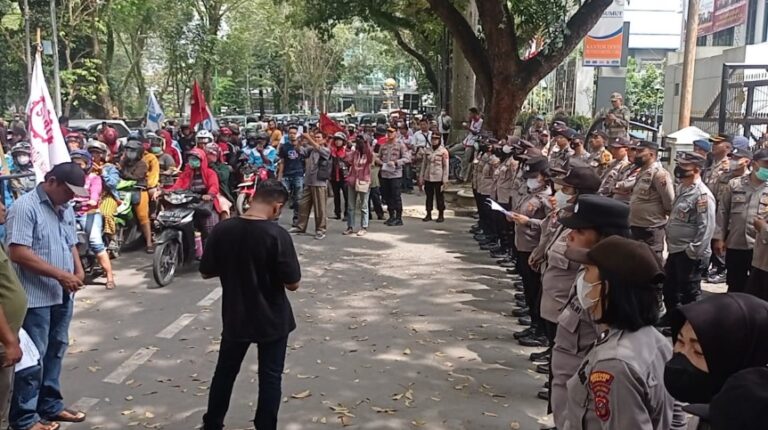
(315,194)
(292,155)
(42,245)
(393,155)
(339,172)
(21,155)
(255,261)
(133,167)
(359,184)
(223,171)
(433,176)
(275,135)
(200,179)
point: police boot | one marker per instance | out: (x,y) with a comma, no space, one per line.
(440,217)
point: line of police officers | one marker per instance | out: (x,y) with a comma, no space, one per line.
(556,192)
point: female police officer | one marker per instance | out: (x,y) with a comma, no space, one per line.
(619,385)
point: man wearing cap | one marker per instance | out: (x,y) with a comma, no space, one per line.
(689,232)
(393,155)
(651,200)
(617,119)
(716,177)
(562,138)
(745,199)
(600,158)
(533,133)
(42,244)
(618,152)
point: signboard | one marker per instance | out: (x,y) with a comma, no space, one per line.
(718,15)
(604,43)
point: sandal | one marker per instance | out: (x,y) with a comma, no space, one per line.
(151,249)
(111,285)
(44,425)
(71,416)
(348,232)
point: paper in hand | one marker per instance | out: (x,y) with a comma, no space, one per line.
(30,354)
(497,207)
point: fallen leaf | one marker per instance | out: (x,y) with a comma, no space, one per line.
(514,425)
(129,398)
(128,412)
(149,415)
(302,395)
(407,351)
(419,423)
(379,410)
(490,414)
(300,376)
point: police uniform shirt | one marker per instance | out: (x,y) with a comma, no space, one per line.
(651,199)
(558,273)
(625,183)
(619,127)
(741,202)
(536,207)
(486,182)
(760,255)
(477,169)
(716,177)
(504,178)
(611,176)
(600,160)
(560,158)
(692,222)
(519,187)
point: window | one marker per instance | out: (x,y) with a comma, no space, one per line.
(723,37)
(677,89)
(701,41)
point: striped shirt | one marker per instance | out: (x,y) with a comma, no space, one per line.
(34,222)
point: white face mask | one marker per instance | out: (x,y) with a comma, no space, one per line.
(562,199)
(507,149)
(582,290)
(533,183)
(733,165)
(22,160)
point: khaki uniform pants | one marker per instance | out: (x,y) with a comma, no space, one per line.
(6,388)
(313,197)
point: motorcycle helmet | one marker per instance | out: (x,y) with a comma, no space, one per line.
(80,154)
(22,154)
(204,136)
(134,150)
(95,145)
(262,137)
(212,148)
(225,131)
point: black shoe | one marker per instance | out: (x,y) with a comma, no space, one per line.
(513,270)
(498,249)
(475,230)
(523,333)
(488,246)
(476,215)
(518,286)
(524,321)
(717,278)
(499,254)
(547,385)
(380,217)
(510,264)
(428,217)
(397,222)
(521,304)
(480,237)
(543,368)
(337,216)
(503,260)
(389,222)
(522,312)
(440,219)
(538,356)
(519,296)
(534,341)
(543,394)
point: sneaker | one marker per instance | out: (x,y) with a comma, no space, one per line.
(534,341)
(362,232)
(397,223)
(348,231)
(320,236)
(717,278)
(295,230)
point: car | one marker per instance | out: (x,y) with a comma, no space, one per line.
(92,127)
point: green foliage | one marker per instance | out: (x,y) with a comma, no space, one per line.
(645,87)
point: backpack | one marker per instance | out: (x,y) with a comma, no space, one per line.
(324,167)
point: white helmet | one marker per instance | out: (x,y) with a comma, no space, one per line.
(204,134)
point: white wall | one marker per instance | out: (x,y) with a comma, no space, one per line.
(654,24)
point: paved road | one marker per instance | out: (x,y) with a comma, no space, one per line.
(400,329)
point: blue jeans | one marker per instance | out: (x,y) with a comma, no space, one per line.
(96,234)
(295,185)
(358,203)
(271,364)
(37,390)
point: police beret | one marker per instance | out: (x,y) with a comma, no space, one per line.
(647,144)
(761,155)
(534,165)
(584,179)
(623,258)
(703,144)
(591,211)
(691,158)
(619,142)
(567,133)
(741,153)
(600,133)
(740,142)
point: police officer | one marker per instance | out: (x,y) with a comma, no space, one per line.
(619,385)
(485,189)
(758,276)
(599,158)
(478,166)
(617,119)
(594,218)
(504,183)
(651,200)
(716,177)
(614,171)
(745,199)
(689,232)
(562,139)
(579,153)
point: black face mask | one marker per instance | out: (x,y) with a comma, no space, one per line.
(639,161)
(685,382)
(681,173)
(251,143)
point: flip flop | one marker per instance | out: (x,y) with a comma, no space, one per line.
(110,285)
(76,417)
(44,425)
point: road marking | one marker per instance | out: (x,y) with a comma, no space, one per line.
(210,298)
(84,404)
(137,359)
(176,326)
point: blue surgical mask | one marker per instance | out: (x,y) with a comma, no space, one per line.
(762,174)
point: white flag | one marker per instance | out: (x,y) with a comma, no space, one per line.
(48,147)
(210,123)
(155,116)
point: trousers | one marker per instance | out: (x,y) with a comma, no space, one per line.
(6,388)
(374,202)
(653,236)
(391,193)
(466,163)
(531,289)
(271,364)
(295,186)
(317,198)
(738,263)
(434,191)
(339,190)
(682,284)
(484,211)
(758,283)
(358,204)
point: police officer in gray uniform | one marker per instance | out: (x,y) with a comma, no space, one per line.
(689,232)
(594,218)
(562,137)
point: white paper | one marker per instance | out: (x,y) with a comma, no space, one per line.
(497,207)
(388,168)
(30,355)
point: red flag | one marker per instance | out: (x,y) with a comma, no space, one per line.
(198,110)
(329,126)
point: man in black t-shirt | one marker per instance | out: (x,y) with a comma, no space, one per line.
(291,169)
(256,262)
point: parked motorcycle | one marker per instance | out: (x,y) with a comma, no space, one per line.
(175,239)
(246,189)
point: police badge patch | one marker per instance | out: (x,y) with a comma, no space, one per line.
(600,385)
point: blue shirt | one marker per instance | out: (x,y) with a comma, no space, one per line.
(34,222)
(293,159)
(254,157)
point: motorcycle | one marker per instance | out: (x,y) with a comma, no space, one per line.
(245,190)
(127,230)
(88,260)
(175,240)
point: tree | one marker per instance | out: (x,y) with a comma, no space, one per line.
(645,87)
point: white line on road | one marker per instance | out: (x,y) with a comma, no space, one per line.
(210,298)
(84,404)
(176,326)
(137,359)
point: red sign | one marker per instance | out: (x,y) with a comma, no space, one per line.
(718,15)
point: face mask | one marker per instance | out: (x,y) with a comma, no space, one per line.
(681,173)
(507,149)
(733,165)
(762,174)
(22,160)
(132,155)
(562,199)
(582,289)
(639,161)
(533,183)
(156,150)
(194,163)
(685,382)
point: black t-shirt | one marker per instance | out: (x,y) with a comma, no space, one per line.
(293,158)
(253,259)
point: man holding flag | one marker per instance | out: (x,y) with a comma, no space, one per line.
(42,241)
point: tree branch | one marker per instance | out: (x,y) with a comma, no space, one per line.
(429,71)
(468,42)
(499,30)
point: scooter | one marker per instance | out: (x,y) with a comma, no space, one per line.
(88,260)
(127,230)
(246,189)
(175,239)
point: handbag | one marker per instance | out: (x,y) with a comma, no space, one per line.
(362,186)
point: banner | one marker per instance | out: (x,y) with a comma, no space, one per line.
(328,126)
(198,108)
(155,116)
(604,43)
(210,123)
(48,147)
(718,15)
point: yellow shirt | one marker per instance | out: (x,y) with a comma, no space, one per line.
(153,170)
(275,136)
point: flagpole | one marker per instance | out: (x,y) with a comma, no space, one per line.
(27,37)
(56,76)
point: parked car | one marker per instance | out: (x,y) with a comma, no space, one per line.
(92,127)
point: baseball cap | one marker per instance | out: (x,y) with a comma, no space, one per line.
(71,174)
(685,157)
(600,133)
(534,165)
(617,96)
(647,144)
(740,153)
(584,179)
(703,144)
(591,211)
(628,258)
(619,142)
(740,142)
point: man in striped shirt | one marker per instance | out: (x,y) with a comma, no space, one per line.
(42,243)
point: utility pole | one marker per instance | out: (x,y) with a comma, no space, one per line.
(689,61)
(28,50)
(55,43)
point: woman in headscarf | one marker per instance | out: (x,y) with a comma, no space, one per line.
(201,179)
